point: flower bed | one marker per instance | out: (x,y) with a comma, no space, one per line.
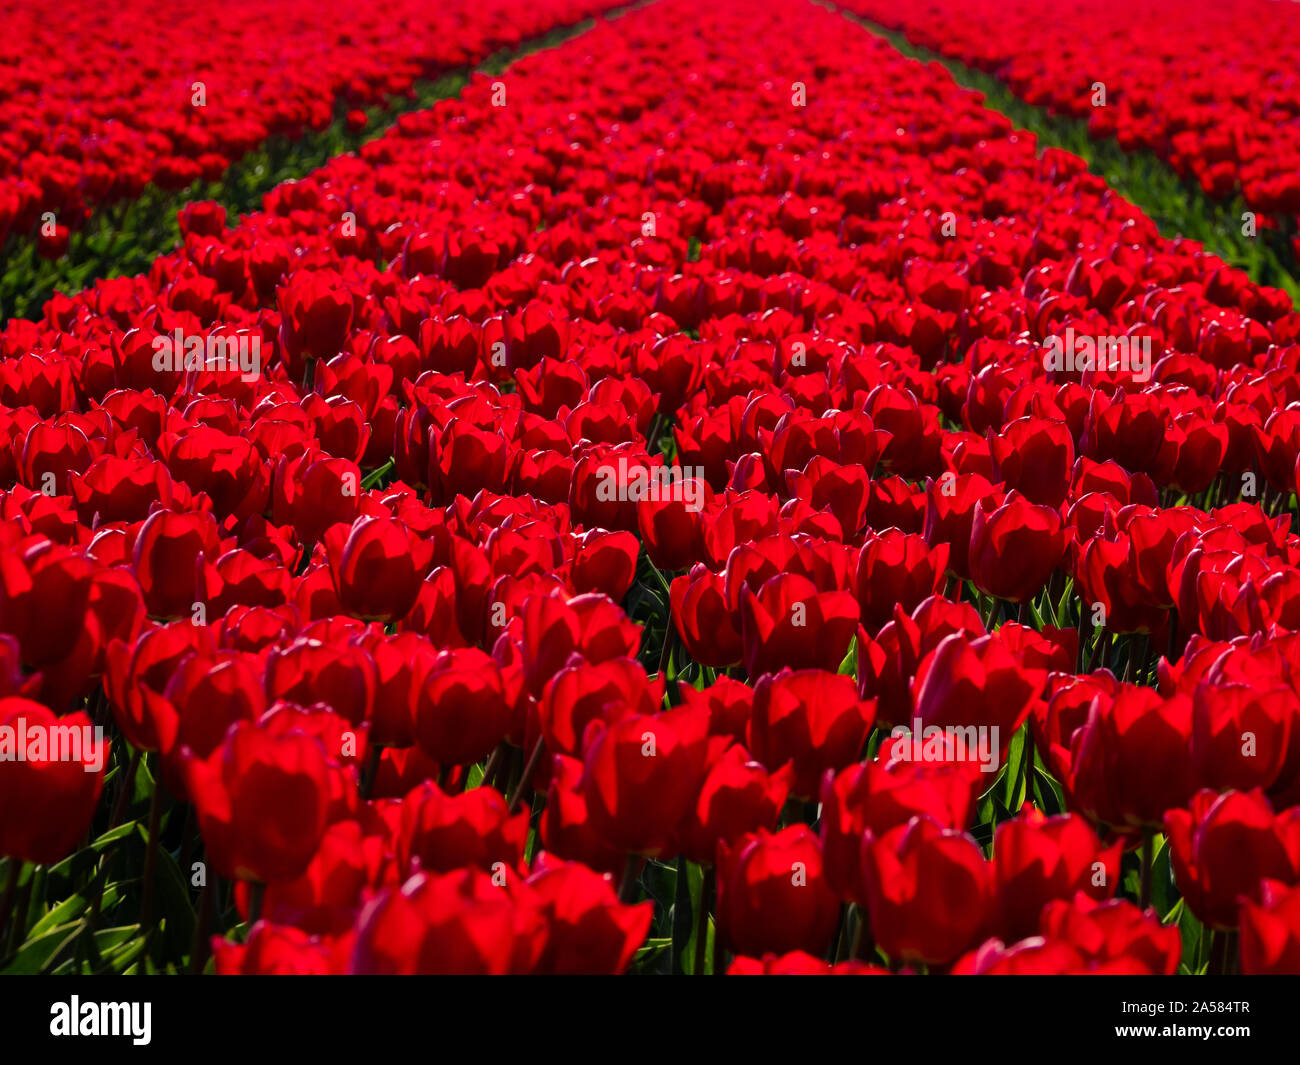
(712,497)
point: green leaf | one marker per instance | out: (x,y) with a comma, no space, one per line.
(1048,792)
(126,946)
(658,879)
(1164,895)
(175,903)
(64,913)
(1013,784)
(1131,881)
(85,859)
(1066,597)
(142,794)
(652,948)
(376,477)
(38,954)
(1196,941)
(108,939)
(849,666)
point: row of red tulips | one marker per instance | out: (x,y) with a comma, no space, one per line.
(1210,87)
(358,601)
(101,102)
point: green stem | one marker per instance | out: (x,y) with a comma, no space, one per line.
(1084,629)
(665,651)
(994,610)
(681,917)
(7,902)
(702,919)
(663,581)
(494,760)
(1102,636)
(1139,649)
(627,888)
(863,944)
(529,769)
(837,940)
(1222,944)
(151,855)
(126,787)
(18,929)
(202,925)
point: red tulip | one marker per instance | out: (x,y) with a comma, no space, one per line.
(1114,930)
(642,773)
(51,775)
(772,894)
(929,891)
(566,829)
(377,566)
(1240,736)
(462,706)
(1224,846)
(699,611)
(1037,859)
(441,833)
(587,929)
(1034,456)
(170,552)
(789,623)
(1270,931)
(273,950)
(811,719)
(1130,760)
(800,963)
(1014,548)
(882,795)
(738,796)
(978,683)
(950,505)
(895,568)
(262,802)
(460,923)
(316,311)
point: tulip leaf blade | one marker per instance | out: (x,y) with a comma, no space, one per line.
(37,954)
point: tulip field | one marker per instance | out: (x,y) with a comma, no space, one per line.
(686,489)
